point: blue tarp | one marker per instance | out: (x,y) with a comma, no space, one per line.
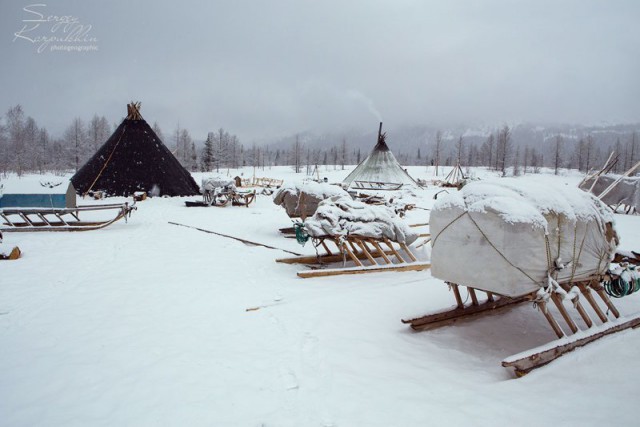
(33,201)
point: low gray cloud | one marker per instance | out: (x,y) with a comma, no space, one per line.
(267,69)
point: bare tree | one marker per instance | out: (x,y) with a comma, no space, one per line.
(4,150)
(233,151)
(98,132)
(29,153)
(516,163)
(632,149)
(536,161)
(42,152)
(437,151)
(487,150)
(557,154)
(15,129)
(158,131)
(177,152)
(588,154)
(503,149)
(75,138)
(619,167)
(296,154)
(459,149)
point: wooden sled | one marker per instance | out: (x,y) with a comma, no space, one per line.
(223,198)
(373,185)
(366,253)
(607,320)
(243,198)
(64,219)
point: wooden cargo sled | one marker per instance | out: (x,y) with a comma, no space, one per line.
(344,231)
(510,243)
(219,191)
(62,219)
(52,207)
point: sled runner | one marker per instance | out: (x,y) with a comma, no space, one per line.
(523,240)
(587,317)
(63,219)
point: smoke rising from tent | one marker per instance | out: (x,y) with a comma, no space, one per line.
(368,103)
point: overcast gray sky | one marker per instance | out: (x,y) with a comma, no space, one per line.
(269,68)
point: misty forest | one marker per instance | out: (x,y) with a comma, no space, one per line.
(26,147)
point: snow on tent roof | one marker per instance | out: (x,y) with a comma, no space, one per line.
(380,170)
(134,159)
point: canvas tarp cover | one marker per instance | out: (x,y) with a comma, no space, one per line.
(340,216)
(210,183)
(504,236)
(301,200)
(626,192)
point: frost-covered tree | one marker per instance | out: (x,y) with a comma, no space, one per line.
(557,163)
(75,139)
(4,149)
(15,123)
(296,155)
(488,150)
(437,150)
(503,149)
(98,132)
(29,153)
(516,163)
(156,128)
(42,153)
(632,151)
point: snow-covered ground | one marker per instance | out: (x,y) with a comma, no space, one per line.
(146,323)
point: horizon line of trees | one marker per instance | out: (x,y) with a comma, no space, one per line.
(26,147)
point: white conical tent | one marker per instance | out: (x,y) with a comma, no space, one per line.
(379,171)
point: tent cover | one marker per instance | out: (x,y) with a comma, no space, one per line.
(379,171)
(134,159)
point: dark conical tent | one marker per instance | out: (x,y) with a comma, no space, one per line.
(379,171)
(134,159)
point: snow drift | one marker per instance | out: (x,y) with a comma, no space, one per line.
(342,216)
(506,236)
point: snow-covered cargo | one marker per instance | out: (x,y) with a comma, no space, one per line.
(505,236)
(210,183)
(341,215)
(301,200)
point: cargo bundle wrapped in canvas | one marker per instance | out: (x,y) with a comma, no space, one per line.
(517,240)
(510,236)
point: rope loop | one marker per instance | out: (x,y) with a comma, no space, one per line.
(622,281)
